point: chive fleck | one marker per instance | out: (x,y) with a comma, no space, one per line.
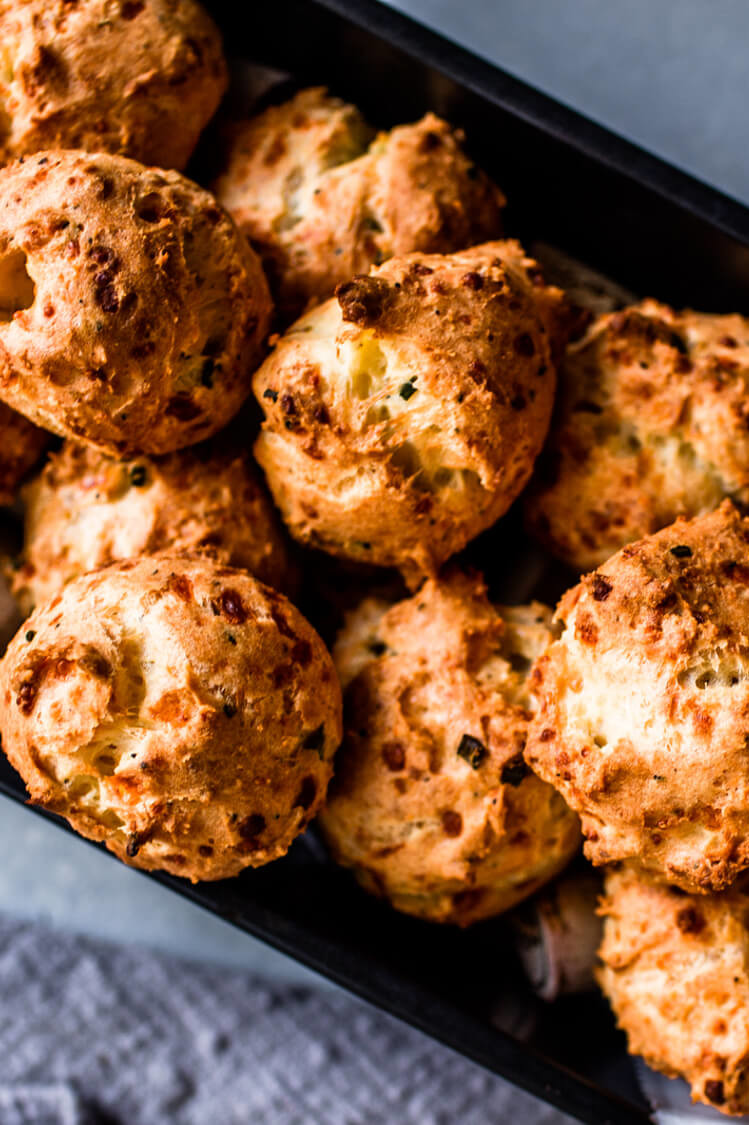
(472,751)
(514,771)
(138,475)
(315,740)
(377,648)
(519,663)
(231,638)
(271,394)
(30,635)
(206,374)
(681,551)
(406,390)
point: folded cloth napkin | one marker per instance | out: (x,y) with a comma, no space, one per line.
(57,1104)
(92,1034)
(96,1034)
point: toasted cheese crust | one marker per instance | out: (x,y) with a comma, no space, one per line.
(651,423)
(86,510)
(136,77)
(403,417)
(432,805)
(176,709)
(322,198)
(675,968)
(643,714)
(132,311)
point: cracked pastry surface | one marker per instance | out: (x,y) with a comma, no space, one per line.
(322,198)
(136,77)
(643,717)
(21,446)
(176,709)
(432,805)
(86,510)
(651,422)
(675,968)
(403,416)
(132,312)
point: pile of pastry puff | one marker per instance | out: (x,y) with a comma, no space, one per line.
(415,374)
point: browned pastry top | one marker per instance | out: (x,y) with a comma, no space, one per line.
(132,311)
(432,805)
(86,510)
(176,709)
(676,970)
(651,422)
(643,721)
(136,77)
(322,200)
(403,416)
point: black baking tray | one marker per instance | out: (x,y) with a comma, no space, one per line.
(655,230)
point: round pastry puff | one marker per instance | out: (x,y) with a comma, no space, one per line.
(651,422)
(432,805)
(21,446)
(403,417)
(675,968)
(86,510)
(176,709)
(136,77)
(132,311)
(322,199)
(643,717)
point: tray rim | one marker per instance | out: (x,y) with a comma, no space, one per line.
(483,1044)
(554,118)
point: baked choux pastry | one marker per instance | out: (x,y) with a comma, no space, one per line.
(403,416)
(675,968)
(643,717)
(432,805)
(136,77)
(176,709)
(651,423)
(322,198)
(132,311)
(86,510)
(21,446)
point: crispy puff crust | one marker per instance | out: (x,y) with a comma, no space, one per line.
(136,77)
(432,805)
(403,416)
(321,203)
(676,970)
(131,309)
(643,719)
(651,423)
(21,446)
(85,510)
(178,710)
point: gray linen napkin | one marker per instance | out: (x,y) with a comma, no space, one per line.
(92,1034)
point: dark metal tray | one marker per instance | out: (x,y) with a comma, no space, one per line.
(652,228)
